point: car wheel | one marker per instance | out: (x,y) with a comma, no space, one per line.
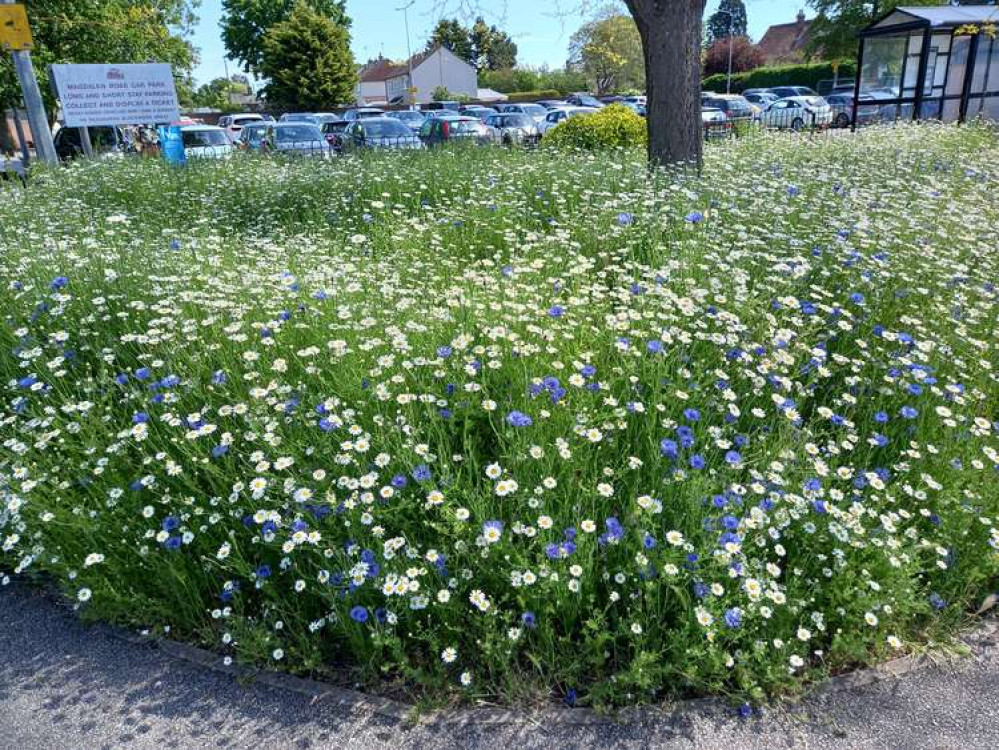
(797,124)
(842,120)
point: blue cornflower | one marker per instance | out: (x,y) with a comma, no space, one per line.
(58,283)
(734,458)
(691,415)
(27,381)
(175,245)
(528,619)
(444,352)
(121,379)
(142,373)
(649,541)
(170,523)
(398,481)
(359,614)
(937,601)
(909,412)
(556,311)
(793,191)
(655,346)
(139,417)
(625,219)
(733,617)
(669,448)
(220,450)
(264,571)
(694,217)
(519,419)
(218,377)
(422,473)
(857,298)
(172,543)
(697,461)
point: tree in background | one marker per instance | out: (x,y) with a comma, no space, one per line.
(833,32)
(720,25)
(307,61)
(608,50)
(514,80)
(482,46)
(245,23)
(452,36)
(218,93)
(100,31)
(745,56)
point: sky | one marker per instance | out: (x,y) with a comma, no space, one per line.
(541,28)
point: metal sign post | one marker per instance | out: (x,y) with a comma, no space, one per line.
(16,37)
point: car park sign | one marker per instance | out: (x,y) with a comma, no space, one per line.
(116,94)
(15,34)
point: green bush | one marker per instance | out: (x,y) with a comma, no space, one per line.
(806,74)
(530,96)
(615,126)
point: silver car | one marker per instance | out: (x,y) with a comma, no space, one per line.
(300,138)
(513,127)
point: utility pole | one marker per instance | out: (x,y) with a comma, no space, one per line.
(42,135)
(409,52)
(731,21)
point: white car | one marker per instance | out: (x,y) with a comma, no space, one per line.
(798,113)
(535,111)
(233,124)
(715,123)
(205,142)
(560,114)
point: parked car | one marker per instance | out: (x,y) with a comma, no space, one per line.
(797,113)
(359,113)
(295,117)
(550,104)
(477,111)
(760,100)
(737,110)
(455,128)
(638,109)
(302,138)
(514,128)
(535,111)
(380,133)
(584,100)
(783,92)
(411,118)
(205,142)
(868,109)
(233,124)
(715,123)
(560,115)
(332,131)
(106,142)
(637,99)
(449,105)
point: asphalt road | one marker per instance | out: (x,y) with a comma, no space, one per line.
(64,684)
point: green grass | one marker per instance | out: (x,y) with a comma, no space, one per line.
(738,431)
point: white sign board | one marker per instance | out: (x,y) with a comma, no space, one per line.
(116,94)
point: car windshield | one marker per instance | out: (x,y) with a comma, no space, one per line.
(385,129)
(361,113)
(534,110)
(240,121)
(302,117)
(336,126)
(408,116)
(253,133)
(464,126)
(200,138)
(512,121)
(297,133)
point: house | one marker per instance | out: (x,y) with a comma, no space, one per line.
(786,42)
(383,81)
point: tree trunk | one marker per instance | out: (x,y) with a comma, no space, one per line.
(671,42)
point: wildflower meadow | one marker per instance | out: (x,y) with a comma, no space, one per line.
(516,426)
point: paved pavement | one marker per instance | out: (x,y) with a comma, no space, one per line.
(64,684)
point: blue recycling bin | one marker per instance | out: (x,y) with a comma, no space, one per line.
(172,144)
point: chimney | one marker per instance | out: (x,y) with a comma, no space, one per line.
(801,17)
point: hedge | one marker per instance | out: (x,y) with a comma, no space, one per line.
(531,96)
(612,127)
(806,74)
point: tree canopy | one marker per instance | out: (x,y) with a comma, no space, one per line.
(245,23)
(307,61)
(745,56)
(483,46)
(720,25)
(608,50)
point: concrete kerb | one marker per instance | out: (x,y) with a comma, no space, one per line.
(984,634)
